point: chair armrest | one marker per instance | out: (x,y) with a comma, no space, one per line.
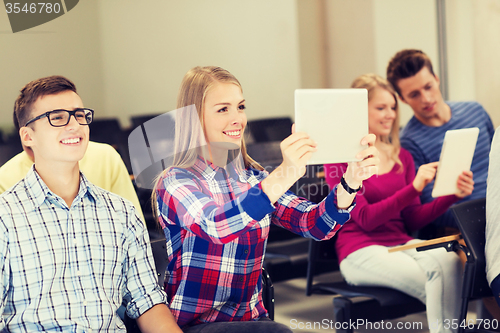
(428,244)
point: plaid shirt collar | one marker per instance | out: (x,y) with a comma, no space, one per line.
(38,191)
(208,170)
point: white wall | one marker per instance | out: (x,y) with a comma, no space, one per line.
(68,45)
(350,40)
(461,53)
(314,56)
(363,35)
(474,52)
(147,47)
(128,57)
(415,26)
(487,55)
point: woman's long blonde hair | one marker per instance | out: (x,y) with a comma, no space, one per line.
(370,82)
(195,85)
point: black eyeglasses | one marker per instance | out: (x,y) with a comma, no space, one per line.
(60,118)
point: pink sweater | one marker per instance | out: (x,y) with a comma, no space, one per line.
(387,207)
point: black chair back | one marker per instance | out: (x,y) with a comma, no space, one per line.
(159,249)
(267,154)
(271,129)
(268,293)
(107,131)
(7,151)
(471,220)
(138,120)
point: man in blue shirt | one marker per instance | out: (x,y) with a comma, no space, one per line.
(70,252)
(410,72)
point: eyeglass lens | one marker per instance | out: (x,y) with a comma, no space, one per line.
(61,118)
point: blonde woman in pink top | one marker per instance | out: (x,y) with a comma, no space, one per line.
(387,208)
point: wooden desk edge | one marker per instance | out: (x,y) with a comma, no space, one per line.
(425,243)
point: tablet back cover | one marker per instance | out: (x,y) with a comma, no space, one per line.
(337,119)
(456,156)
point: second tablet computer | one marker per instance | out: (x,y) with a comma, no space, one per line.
(456,156)
(337,119)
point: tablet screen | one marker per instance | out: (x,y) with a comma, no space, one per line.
(337,119)
(456,156)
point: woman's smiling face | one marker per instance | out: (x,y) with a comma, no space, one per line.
(382,112)
(224,115)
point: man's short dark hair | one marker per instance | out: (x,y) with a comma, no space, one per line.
(405,64)
(32,91)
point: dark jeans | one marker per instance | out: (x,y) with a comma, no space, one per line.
(264,325)
(495,287)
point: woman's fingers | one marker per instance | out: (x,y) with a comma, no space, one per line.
(363,170)
(371,160)
(366,172)
(429,167)
(291,139)
(425,174)
(368,152)
(465,184)
(428,170)
(368,140)
(298,142)
(432,165)
(467,176)
(297,149)
(368,163)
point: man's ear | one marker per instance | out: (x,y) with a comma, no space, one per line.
(402,99)
(26,135)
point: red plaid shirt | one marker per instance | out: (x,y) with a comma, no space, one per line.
(216,223)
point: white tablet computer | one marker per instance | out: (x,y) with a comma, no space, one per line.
(337,119)
(456,156)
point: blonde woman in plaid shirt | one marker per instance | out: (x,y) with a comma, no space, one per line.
(216,204)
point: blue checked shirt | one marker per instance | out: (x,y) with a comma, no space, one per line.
(69,269)
(216,223)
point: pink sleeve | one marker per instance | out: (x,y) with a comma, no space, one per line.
(333,173)
(371,215)
(405,202)
(417,215)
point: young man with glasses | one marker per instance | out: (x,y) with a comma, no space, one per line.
(101,164)
(70,252)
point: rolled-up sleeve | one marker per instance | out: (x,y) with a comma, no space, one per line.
(142,291)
